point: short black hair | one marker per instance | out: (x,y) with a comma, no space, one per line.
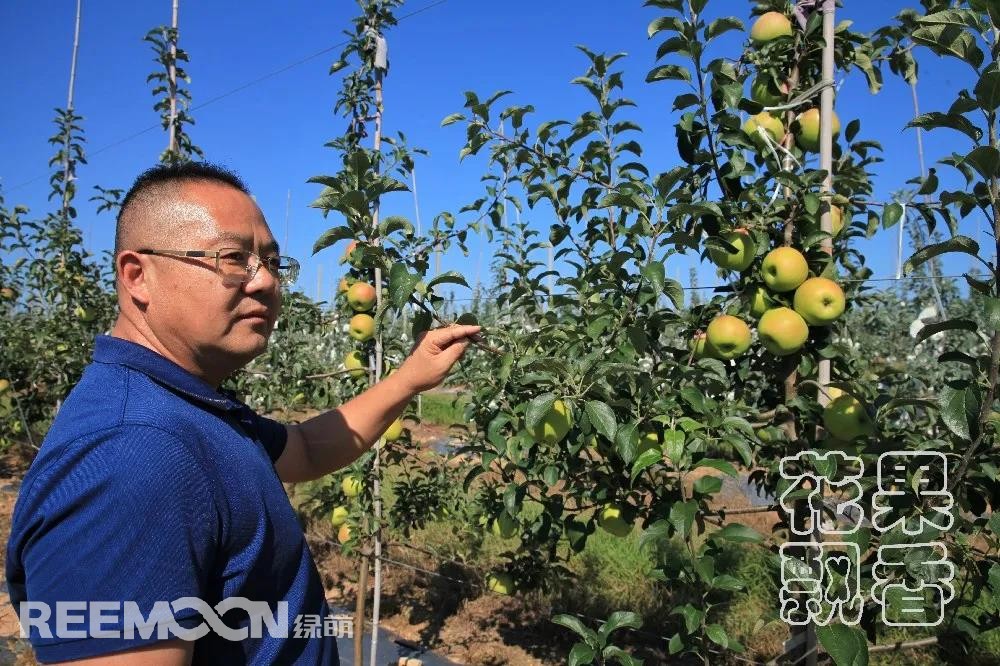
(168,174)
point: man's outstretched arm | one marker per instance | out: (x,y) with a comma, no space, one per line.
(336,438)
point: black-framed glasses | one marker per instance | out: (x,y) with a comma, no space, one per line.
(238,266)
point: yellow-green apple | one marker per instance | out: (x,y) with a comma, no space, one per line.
(738,260)
(342,287)
(784,269)
(351,485)
(649,440)
(728,336)
(344,533)
(361,296)
(836,220)
(394,431)
(338,516)
(84,314)
(770,25)
(782,331)
(770,124)
(362,327)
(806,128)
(612,520)
(763,91)
(700,347)
(504,526)
(820,301)
(4,386)
(846,418)
(499,582)
(355,362)
(554,425)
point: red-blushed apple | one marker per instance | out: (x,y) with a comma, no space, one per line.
(344,533)
(361,296)
(784,269)
(782,331)
(769,26)
(820,301)
(728,336)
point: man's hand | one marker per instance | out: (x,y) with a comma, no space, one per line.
(336,438)
(433,355)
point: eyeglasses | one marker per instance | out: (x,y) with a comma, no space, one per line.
(238,266)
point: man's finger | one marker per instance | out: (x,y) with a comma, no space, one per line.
(445,336)
(455,351)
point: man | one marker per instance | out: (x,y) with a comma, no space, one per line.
(154,486)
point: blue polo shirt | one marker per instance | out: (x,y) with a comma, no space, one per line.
(151,486)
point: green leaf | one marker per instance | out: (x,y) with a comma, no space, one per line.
(453,118)
(537,409)
(951,40)
(692,616)
(891,215)
(602,418)
(395,223)
(682,516)
(846,645)
(645,459)
(717,634)
(961,17)
(621,656)
(574,624)
(451,277)
(958,411)
(401,284)
(331,236)
(668,73)
(951,325)
(676,644)
(616,621)
(654,272)
(738,533)
(675,292)
(991,307)
(627,441)
(955,244)
(722,25)
(581,654)
(988,88)
(727,582)
(673,445)
(985,160)
(955,121)
(708,485)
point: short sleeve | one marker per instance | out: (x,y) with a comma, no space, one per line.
(125,515)
(272,435)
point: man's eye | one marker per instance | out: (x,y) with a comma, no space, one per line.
(234,258)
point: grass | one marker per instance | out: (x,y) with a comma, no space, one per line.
(443,408)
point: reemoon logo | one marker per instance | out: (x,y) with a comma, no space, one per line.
(124,619)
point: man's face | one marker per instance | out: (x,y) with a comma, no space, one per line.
(218,323)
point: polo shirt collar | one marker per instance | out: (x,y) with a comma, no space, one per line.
(112,350)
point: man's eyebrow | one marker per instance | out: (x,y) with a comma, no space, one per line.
(242,241)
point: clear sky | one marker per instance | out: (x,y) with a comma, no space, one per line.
(272,132)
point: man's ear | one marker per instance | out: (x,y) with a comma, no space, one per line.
(133,276)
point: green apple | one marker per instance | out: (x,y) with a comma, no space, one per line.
(504,527)
(499,582)
(763,92)
(361,296)
(784,269)
(806,128)
(394,431)
(760,302)
(4,386)
(649,441)
(745,252)
(362,327)
(836,220)
(771,125)
(338,516)
(612,520)
(355,362)
(782,331)
(554,425)
(770,25)
(728,336)
(820,301)
(351,485)
(846,418)
(700,347)
(85,315)
(342,286)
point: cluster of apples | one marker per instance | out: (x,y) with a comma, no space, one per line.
(782,330)
(361,298)
(767,28)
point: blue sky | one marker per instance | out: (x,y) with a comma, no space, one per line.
(272,132)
